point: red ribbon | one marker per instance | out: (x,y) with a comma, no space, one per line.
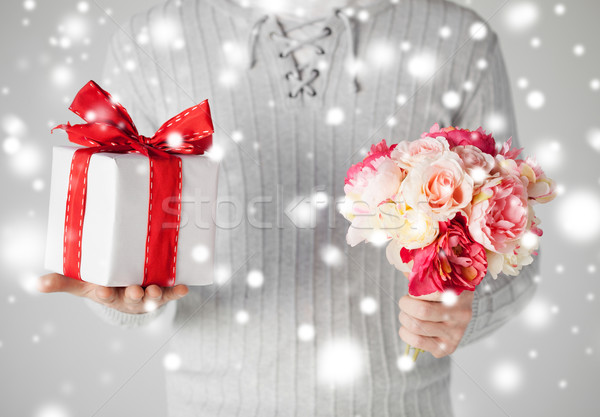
(110,129)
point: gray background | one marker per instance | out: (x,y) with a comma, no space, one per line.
(57,359)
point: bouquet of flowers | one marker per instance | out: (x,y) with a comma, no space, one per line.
(451,206)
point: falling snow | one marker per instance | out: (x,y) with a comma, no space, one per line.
(520,16)
(200,253)
(172,361)
(536,100)
(422,66)
(255,278)
(335,116)
(339,362)
(306,332)
(368,305)
(71,47)
(577,216)
(507,376)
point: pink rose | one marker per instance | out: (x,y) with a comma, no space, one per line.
(452,262)
(439,186)
(477,163)
(499,213)
(408,153)
(458,137)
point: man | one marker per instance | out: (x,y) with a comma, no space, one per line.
(300,324)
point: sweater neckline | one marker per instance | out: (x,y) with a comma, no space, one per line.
(257,19)
(251,14)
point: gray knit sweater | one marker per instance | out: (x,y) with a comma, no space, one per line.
(299,323)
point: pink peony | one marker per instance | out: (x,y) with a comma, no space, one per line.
(376,179)
(540,188)
(508,152)
(499,213)
(458,137)
(452,262)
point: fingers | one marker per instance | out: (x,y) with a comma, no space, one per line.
(423,328)
(433,326)
(105,294)
(175,293)
(59,283)
(157,294)
(432,345)
(424,310)
(153,293)
(133,294)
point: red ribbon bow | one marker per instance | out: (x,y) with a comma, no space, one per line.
(110,129)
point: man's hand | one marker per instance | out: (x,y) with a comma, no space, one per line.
(433,326)
(132,299)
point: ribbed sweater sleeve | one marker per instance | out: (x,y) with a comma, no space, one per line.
(118,318)
(491,106)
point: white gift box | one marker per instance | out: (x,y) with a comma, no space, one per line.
(116,218)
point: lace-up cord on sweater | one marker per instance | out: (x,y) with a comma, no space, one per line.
(303,76)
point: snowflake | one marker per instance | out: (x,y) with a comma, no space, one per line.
(339,362)
(38,184)
(29,5)
(422,66)
(381,54)
(577,216)
(335,116)
(61,75)
(242,317)
(306,332)
(401,99)
(579,50)
(536,100)
(537,314)
(11,145)
(451,99)
(237,136)
(449,298)
(331,255)
(368,306)
(172,361)
(521,16)
(405,363)
(83,7)
(52,410)
(478,31)
(522,83)
(445,32)
(255,278)
(507,376)
(560,9)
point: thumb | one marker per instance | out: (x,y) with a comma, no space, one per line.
(59,283)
